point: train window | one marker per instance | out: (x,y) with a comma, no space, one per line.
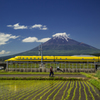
(93,58)
(22,58)
(34,58)
(30,58)
(45,58)
(60,58)
(82,58)
(26,58)
(38,58)
(66,58)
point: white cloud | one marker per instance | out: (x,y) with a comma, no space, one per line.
(39,26)
(34,39)
(17,26)
(9,26)
(4,52)
(44,28)
(44,40)
(6,37)
(30,39)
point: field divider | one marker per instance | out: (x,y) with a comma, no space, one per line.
(54,90)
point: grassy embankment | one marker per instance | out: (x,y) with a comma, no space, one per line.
(44,78)
(94,78)
(15,72)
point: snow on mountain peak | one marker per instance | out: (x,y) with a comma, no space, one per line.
(61,35)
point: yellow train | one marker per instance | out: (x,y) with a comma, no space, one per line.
(56,58)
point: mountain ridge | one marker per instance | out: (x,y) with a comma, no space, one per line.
(62,43)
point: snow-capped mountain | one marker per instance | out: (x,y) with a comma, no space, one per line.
(62,39)
(61,44)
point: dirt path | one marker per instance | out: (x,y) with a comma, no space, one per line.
(42,75)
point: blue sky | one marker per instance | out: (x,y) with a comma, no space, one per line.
(24,24)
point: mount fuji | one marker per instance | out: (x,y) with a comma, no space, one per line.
(61,44)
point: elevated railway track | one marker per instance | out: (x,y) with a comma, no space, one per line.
(43,63)
(37,67)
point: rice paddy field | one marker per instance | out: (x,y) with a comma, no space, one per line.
(47,90)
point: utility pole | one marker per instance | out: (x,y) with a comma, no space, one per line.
(41,54)
(39,50)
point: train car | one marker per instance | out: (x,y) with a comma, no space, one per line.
(99,59)
(11,59)
(56,58)
(32,58)
(75,59)
(28,58)
(48,58)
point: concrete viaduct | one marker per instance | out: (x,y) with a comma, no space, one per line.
(3,66)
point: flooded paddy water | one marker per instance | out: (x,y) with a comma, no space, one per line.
(47,90)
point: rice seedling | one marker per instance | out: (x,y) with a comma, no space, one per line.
(54,91)
(79,91)
(86,98)
(69,90)
(74,91)
(58,91)
(89,91)
(65,91)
